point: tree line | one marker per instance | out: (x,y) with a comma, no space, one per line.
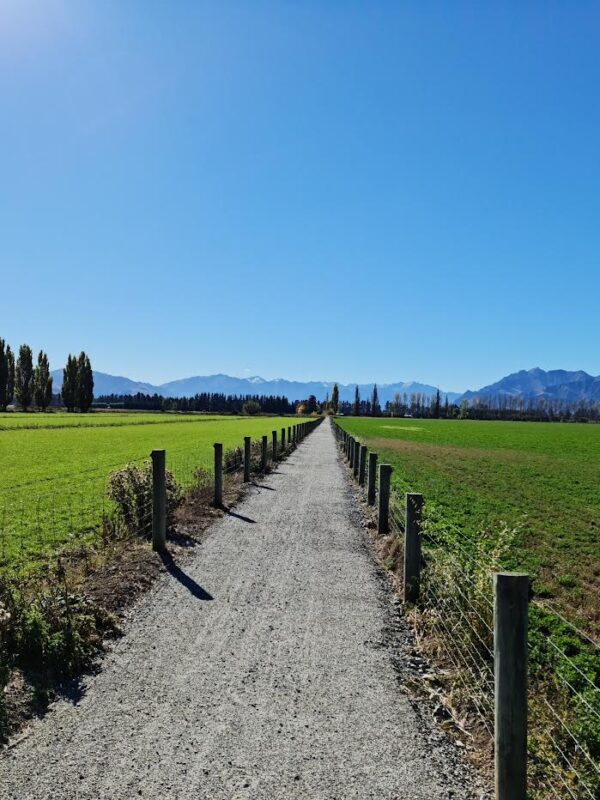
(28,385)
(216,403)
(425,406)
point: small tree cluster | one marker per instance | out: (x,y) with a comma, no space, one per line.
(31,385)
(21,381)
(78,383)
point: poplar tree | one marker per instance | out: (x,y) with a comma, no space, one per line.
(375,407)
(335,398)
(437,405)
(85,382)
(7,375)
(69,384)
(42,382)
(10,383)
(24,377)
(356,404)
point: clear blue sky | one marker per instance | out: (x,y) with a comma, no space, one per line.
(325,190)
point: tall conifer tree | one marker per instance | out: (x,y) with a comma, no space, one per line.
(375,407)
(69,385)
(24,377)
(85,382)
(42,382)
(437,405)
(335,398)
(7,377)
(356,404)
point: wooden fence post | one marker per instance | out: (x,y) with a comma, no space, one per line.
(372,479)
(159,500)
(247,458)
(289,436)
(412,546)
(264,454)
(355,457)
(511,599)
(351,452)
(283,440)
(362,470)
(383,524)
(218,475)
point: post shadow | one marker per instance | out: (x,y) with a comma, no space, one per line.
(190,584)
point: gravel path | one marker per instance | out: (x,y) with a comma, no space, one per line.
(267,669)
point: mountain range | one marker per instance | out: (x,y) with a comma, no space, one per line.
(534,384)
(294,390)
(538,384)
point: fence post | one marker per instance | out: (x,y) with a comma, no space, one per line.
(218,475)
(511,599)
(412,546)
(159,500)
(355,457)
(263,455)
(351,452)
(274,435)
(372,479)
(383,525)
(289,436)
(363,465)
(247,457)
(283,440)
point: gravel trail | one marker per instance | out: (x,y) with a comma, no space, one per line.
(267,668)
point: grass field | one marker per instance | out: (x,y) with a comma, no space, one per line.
(54,467)
(543,478)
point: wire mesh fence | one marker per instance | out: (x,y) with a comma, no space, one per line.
(79,509)
(454,621)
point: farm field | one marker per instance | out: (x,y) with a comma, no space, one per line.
(54,467)
(99,419)
(541,478)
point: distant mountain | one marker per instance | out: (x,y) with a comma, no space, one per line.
(537,384)
(293,390)
(109,384)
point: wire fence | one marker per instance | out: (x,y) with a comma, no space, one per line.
(454,621)
(80,511)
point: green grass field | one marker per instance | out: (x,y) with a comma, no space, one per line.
(541,477)
(54,467)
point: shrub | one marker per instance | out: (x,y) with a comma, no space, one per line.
(130,489)
(50,637)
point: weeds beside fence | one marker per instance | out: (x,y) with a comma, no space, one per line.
(454,615)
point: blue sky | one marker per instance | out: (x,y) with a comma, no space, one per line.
(310,190)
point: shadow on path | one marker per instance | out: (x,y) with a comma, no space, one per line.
(231,513)
(190,584)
